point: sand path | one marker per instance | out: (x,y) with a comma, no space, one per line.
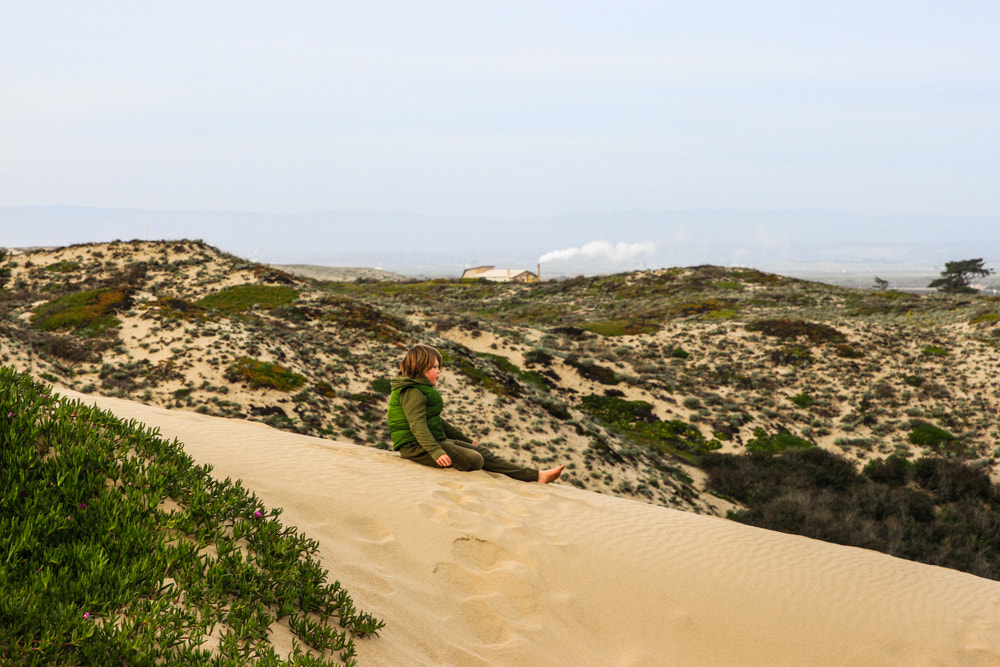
(474,569)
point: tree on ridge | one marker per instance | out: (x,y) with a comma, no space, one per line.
(957,275)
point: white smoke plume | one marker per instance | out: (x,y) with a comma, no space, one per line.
(617,252)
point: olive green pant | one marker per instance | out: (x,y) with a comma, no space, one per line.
(467,457)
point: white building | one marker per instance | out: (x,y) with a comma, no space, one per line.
(500,275)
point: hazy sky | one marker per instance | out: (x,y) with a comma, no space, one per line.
(504,109)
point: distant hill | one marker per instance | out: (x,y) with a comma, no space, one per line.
(421,245)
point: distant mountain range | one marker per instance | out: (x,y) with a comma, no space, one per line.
(433,245)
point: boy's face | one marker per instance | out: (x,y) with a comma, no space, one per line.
(433,372)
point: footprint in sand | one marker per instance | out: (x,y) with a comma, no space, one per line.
(495,591)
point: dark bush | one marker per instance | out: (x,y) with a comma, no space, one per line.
(952,480)
(893,470)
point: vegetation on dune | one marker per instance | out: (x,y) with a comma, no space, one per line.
(957,276)
(636,420)
(259,374)
(936,511)
(634,379)
(88,313)
(241,298)
(115,548)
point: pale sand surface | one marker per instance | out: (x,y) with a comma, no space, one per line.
(475,569)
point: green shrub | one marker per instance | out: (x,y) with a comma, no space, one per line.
(935,351)
(776,442)
(65,266)
(118,549)
(949,520)
(88,313)
(928,435)
(785,329)
(259,374)
(593,371)
(636,420)
(240,298)
(803,400)
(382,385)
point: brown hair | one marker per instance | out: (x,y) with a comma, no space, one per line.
(418,360)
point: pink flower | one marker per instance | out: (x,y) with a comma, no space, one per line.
(86,615)
(10,414)
(257,514)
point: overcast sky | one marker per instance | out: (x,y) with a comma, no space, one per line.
(506,109)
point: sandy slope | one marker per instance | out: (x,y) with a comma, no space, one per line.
(472,569)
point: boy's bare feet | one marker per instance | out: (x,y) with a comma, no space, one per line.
(550,475)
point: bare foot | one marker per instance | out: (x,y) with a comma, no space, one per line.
(550,475)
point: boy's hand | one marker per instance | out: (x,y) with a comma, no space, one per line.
(444,460)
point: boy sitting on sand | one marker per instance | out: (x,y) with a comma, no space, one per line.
(419,433)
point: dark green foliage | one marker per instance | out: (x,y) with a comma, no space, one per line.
(929,435)
(241,298)
(65,266)
(494,379)
(957,276)
(117,549)
(893,470)
(935,351)
(636,420)
(803,400)
(87,314)
(504,365)
(776,442)
(785,329)
(592,371)
(259,374)
(936,511)
(537,357)
(4,270)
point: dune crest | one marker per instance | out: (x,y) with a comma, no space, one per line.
(476,569)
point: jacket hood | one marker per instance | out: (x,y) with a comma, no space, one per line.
(404,381)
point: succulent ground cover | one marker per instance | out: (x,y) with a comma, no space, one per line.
(630,378)
(115,548)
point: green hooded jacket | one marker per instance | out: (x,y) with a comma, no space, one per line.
(415,416)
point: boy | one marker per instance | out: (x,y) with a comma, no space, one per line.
(421,435)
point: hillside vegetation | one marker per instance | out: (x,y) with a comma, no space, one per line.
(643,383)
(115,548)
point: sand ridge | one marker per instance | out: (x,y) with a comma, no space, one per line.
(476,569)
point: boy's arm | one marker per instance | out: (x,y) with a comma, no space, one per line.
(453,433)
(414,404)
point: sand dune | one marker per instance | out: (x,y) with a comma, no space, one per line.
(475,569)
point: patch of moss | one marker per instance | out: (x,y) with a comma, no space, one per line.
(803,400)
(88,313)
(263,374)
(65,266)
(935,438)
(241,298)
(775,442)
